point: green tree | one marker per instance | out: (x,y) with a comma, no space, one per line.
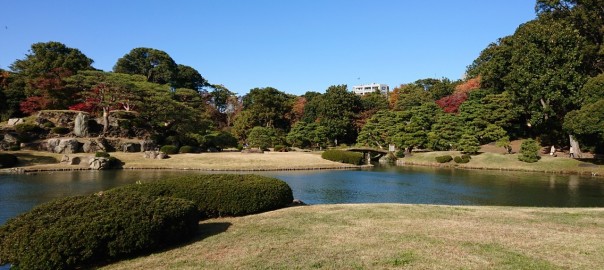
(380,129)
(445,132)
(157,66)
(188,77)
(529,151)
(337,111)
(410,95)
(44,57)
(269,106)
(261,137)
(587,124)
(546,70)
(468,143)
(592,91)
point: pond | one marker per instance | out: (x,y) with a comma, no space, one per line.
(415,185)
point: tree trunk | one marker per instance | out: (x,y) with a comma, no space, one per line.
(574,145)
(105,120)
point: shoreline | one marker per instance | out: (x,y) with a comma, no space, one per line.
(298,161)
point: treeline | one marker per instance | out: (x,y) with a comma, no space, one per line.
(545,81)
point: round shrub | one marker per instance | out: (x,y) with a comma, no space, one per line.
(15,147)
(102,154)
(185,149)
(343,156)
(462,159)
(26,127)
(77,232)
(8,160)
(218,195)
(400,153)
(169,149)
(60,130)
(529,151)
(443,159)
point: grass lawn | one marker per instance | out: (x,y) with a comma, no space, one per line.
(392,236)
(495,161)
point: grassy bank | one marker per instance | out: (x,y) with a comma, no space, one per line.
(389,236)
(495,161)
(223,161)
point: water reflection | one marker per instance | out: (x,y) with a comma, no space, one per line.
(18,193)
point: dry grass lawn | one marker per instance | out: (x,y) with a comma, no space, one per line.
(233,161)
(392,236)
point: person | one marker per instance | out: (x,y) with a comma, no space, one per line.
(552,151)
(571,152)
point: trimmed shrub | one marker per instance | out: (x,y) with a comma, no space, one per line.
(185,149)
(26,127)
(529,151)
(169,149)
(343,156)
(443,159)
(8,160)
(466,156)
(218,195)
(60,130)
(15,147)
(400,153)
(102,154)
(78,232)
(462,159)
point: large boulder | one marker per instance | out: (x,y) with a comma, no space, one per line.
(147,145)
(98,163)
(15,121)
(95,145)
(63,146)
(131,147)
(80,128)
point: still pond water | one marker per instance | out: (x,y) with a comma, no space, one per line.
(417,185)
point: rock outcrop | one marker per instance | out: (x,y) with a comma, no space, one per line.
(98,163)
(80,127)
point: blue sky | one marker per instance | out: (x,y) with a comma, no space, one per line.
(292,45)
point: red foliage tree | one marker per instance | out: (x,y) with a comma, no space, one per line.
(33,104)
(451,103)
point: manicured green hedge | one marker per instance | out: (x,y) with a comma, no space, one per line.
(529,151)
(169,149)
(443,159)
(462,159)
(343,156)
(26,127)
(221,194)
(185,149)
(8,160)
(77,232)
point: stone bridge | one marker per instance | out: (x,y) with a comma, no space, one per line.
(370,154)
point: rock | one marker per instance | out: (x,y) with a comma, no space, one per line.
(15,121)
(80,128)
(297,203)
(75,161)
(131,147)
(155,155)
(93,146)
(162,155)
(63,146)
(98,163)
(147,145)
(10,138)
(65,159)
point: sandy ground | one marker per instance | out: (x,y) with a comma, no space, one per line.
(223,161)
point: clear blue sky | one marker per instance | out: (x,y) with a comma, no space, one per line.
(292,45)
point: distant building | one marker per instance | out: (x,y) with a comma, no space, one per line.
(366,89)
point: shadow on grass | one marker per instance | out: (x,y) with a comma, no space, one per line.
(204,230)
(26,159)
(594,161)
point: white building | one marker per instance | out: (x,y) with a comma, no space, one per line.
(366,89)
